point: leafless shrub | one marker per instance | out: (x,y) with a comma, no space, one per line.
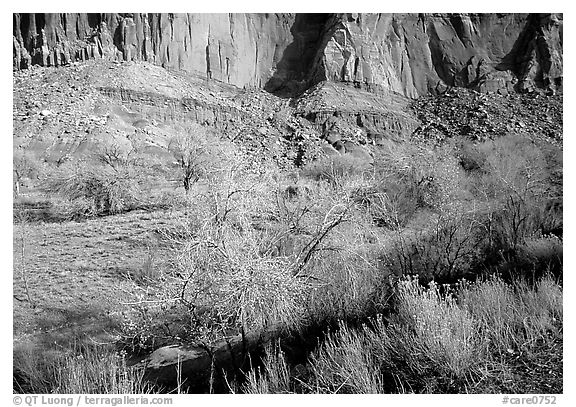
(117,157)
(335,169)
(25,167)
(447,249)
(95,190)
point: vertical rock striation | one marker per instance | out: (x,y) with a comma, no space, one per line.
(415,54)
(411,54)
(239,49)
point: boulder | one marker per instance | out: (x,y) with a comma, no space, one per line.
(198,363)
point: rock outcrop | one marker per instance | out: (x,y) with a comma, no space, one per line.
(412,54)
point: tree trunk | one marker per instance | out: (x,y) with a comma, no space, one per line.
(16,190)
(186,184)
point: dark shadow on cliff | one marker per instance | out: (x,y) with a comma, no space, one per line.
(514,59)
(294,70)
(519,59)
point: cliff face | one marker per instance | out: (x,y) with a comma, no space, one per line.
(239,49)
(416,54)
(412,54)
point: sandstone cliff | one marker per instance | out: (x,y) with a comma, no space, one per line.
(416,54)
(239,49)
(412,54)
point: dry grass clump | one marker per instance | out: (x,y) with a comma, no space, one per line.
(513,317)
(346,286)
(345,364)
(83,369)
(436,333)
(439,339)
(272,377)
(92,371)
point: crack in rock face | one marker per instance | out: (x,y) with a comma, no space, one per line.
(411,54)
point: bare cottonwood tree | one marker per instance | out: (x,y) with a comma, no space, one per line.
(24,166)
(114,156)
(189,148)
